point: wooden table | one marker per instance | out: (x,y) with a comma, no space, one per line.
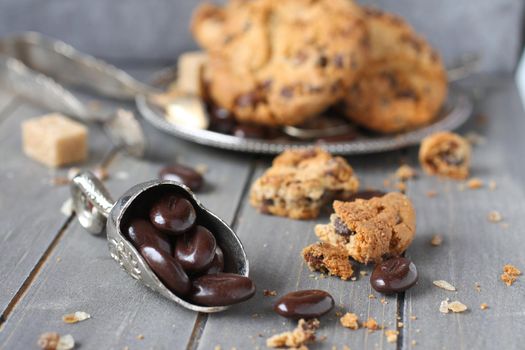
(50,266)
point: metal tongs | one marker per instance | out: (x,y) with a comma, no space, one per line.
(38,68)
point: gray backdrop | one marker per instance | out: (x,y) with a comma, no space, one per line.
(152,31)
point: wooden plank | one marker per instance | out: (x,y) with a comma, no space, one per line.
(30,203)
(474,249)
(80,274)
(273,246)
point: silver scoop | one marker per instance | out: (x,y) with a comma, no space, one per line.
(39,68)
(95,210)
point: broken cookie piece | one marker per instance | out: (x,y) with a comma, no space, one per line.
(371,230)
(55,140)
(331,259)
(445,154)
(296,339)
(301,181)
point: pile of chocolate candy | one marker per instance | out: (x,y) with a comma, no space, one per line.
(183,254)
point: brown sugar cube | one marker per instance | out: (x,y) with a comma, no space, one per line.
(55,140)
(189,72)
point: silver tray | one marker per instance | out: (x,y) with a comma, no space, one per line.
(456,111)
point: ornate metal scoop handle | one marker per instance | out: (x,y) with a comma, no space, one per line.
(91,201)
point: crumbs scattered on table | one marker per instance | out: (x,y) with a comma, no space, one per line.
(371,324)
(494,216)
(140,336)
(383,301)
(400,325)
(475,183)
(67,207)
(363,273)
(371,296)
(391,335)
(55,341)
(413,317)
(303,334)
(269,293)
(436,240)
(350,320)
(75,317)
(510,274)
(444,285)
(484,306)
(405,172)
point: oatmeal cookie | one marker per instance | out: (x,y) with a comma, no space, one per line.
(280,62)
(331,259)
(371,230)
(403,83)
(301,181)
(445,154)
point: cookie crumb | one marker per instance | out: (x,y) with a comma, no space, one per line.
(269,293)
(332,259)
(413,317)
(371,296)
(484,306)
(75,317)
(391,336)
(413,343)
(400,325)
(444,285)
(140,336)
(492,185)
(67,207)
(371,324)
(55,341)
(477,286)
(303,334)
(436,240)
(475,183)
(59,181)
(510,274)
(363,273)
(494,216)
(405,172)
(350,320)
(383,301)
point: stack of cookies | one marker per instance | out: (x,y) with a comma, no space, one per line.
(278,63)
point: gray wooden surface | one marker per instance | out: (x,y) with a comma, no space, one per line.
(50,266)
(157,30)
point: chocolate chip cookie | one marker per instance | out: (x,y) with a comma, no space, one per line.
(403,83)
(280,62)
(301,181)
(371,230)
(445,154)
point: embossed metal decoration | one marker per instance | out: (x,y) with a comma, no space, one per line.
(95,210)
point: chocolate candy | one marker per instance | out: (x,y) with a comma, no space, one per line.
(221,289)
(221,120)
(247,131)
(172,214)
(217,264)
(182,174)
(304,304)
(195,249)
(141,232)
(394,275)
(167,269)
